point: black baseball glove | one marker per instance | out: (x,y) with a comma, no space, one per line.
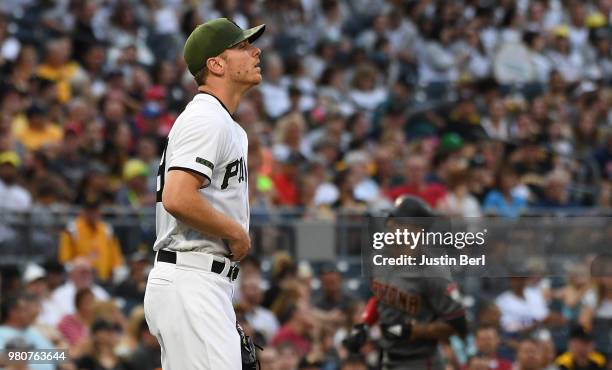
(247,348)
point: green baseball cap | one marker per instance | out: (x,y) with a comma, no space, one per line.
(212,38)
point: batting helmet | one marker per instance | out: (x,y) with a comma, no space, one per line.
(409,206)
(410,210)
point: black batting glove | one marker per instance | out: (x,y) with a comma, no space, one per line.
(356,338)
(397,331)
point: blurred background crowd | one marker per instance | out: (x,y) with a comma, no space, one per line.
(479,107)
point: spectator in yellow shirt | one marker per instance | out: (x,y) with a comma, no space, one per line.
(90,237)
(58,67)
(39,131)
(581,354)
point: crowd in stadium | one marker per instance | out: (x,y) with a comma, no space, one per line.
(480,108)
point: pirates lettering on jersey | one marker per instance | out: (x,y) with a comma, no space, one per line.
(391,295)
(237,169)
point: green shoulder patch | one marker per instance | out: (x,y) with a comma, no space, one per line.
(205,163)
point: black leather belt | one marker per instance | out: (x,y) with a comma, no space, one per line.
(217,266)
(397,358)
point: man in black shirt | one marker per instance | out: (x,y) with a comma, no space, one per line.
(581,355)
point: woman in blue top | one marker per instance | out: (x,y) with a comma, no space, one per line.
(501,201)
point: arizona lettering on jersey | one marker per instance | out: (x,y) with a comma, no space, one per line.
(205,140)
(393,296)
(402,297)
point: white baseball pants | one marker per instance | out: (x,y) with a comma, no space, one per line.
(190,312)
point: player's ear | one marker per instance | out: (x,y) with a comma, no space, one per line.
(215,65)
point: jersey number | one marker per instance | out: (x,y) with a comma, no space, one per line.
(161,173)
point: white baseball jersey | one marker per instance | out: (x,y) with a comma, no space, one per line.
(207,141)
